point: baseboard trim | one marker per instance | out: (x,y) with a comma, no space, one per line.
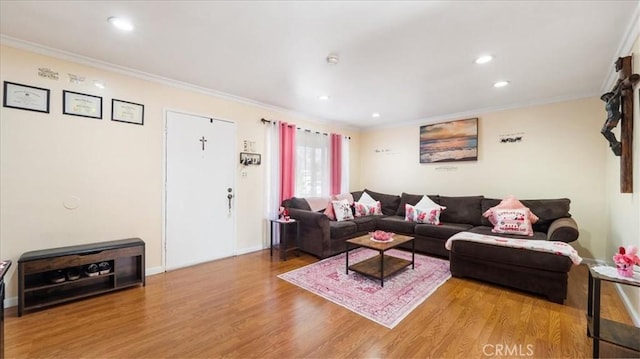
(635,316)
(10,302)
(153,271)
(249,250)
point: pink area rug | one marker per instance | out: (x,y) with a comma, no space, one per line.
(387,306)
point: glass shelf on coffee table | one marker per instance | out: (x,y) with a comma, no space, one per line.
(382,265)
(601,329)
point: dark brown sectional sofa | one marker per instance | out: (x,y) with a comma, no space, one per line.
(537,272)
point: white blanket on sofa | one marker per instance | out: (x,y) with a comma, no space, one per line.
(555,247)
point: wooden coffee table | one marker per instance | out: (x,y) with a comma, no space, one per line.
(380,266)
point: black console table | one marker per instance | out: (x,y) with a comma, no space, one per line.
(58,275)
(285,244)
(609,331)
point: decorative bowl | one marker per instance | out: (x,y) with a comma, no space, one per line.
(381,236)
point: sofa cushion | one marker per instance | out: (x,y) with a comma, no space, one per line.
(412,199)
(300,203)
(389,202)
(442,231)
(342,229)
(467,210)
(365,224)
(547,211)
(512,256)
(395,224)
(486,230)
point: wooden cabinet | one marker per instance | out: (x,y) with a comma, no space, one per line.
(53,276)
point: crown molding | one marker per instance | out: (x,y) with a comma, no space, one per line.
(624,49)
(83,60)
(480,111)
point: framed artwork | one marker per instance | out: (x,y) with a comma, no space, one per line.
(449,141)
(25,97)
(247,158)
(129,112)
(80,104)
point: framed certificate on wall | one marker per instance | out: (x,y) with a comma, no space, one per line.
(25,97)
(80,104)
(129,112)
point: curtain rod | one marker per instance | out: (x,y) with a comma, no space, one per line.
(301,129)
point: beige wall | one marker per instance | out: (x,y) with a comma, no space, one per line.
(623,210)
(561,155)
(115,169)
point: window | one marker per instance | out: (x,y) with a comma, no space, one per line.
(312,164)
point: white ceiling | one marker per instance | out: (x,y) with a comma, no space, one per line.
(409,61)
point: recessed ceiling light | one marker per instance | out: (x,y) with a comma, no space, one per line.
(501,84)
(99,84)
(120,23)
(333,59)
(483,59)
(323,97)
(375,114)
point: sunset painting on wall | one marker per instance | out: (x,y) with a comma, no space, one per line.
(449,141)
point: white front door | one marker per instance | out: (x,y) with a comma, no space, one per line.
(200,175)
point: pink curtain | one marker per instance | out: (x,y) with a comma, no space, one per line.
(287,160)
(335,164)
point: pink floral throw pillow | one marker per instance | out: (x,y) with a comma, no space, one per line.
(363,209)
(513,221)
(342,210)
(418,215)
(511,202)
(329,212)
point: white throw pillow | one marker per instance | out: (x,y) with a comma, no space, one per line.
(426,203)
(367,199)
(342,209)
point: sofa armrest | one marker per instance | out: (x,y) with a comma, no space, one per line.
(315,232)
(564,230)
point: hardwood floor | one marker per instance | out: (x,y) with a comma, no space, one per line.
(238,308)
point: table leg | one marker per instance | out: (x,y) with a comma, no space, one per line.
(382,269)
(596,318)
(297,239)
(284,242)
(413,253)
(347,257)
(271,239)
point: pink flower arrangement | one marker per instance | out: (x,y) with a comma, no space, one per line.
(625,259)
(284,213)
(382,236)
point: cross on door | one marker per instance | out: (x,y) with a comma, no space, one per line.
(203,140)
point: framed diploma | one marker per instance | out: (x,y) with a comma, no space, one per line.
(129,112)
(80,104)
(25,97)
